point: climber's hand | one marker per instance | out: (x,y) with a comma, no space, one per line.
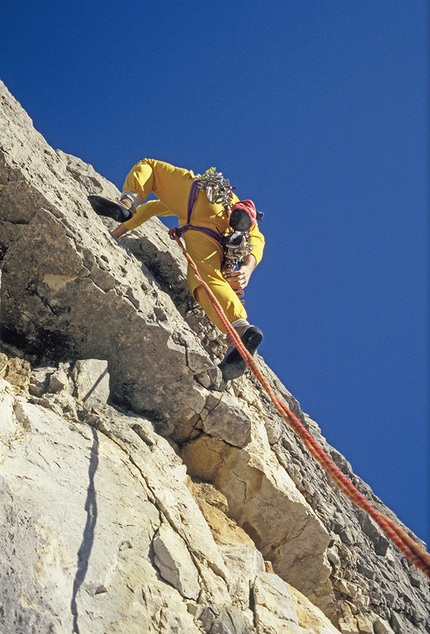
(238,280)
(119,231)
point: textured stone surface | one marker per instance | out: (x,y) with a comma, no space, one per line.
(106,526)
(309,617)
(174,562)
(273,605)
(260,497)
(226,420)
(101,532)
(77,293)
(91,380)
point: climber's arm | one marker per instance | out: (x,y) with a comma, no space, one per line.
(238,280)
(256,238)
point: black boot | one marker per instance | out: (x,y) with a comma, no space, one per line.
(233,366)
(110,208)
(120,210)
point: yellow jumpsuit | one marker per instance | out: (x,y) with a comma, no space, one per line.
(172,186)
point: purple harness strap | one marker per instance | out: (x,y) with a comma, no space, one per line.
(192,198)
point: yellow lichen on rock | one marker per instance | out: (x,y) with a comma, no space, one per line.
(311,618)
(15,371)
(214,508)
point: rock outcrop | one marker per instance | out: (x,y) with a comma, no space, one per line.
(140,493)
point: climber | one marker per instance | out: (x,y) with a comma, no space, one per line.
(208,201)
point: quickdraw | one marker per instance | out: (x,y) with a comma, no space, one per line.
(236,248)
(217,188)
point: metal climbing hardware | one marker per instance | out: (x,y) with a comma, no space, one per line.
(236,248)
(217,188)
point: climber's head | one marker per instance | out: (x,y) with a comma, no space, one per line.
(243,215)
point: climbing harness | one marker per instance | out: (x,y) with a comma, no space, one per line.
(179,231)
(235,244)
(218,190)
(404,542)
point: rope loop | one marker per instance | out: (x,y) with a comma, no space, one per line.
(177,232)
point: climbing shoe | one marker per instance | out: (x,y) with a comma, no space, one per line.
(233,366)
(110,208)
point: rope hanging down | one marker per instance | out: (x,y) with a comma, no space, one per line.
(404,542)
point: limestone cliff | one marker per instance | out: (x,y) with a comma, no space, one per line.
(140,493)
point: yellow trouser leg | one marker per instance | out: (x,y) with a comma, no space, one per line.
(140,180)
(169,183)
(233,309)
(207,254)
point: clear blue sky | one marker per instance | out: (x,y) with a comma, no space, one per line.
(318,111)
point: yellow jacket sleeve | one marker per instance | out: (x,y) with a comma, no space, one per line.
(145,212)
(256,238)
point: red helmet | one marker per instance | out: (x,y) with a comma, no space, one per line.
(243,215)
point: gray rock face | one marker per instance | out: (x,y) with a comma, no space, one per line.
(175,563)
(139,492)
(81,294)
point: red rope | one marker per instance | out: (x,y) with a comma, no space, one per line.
(404,542)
